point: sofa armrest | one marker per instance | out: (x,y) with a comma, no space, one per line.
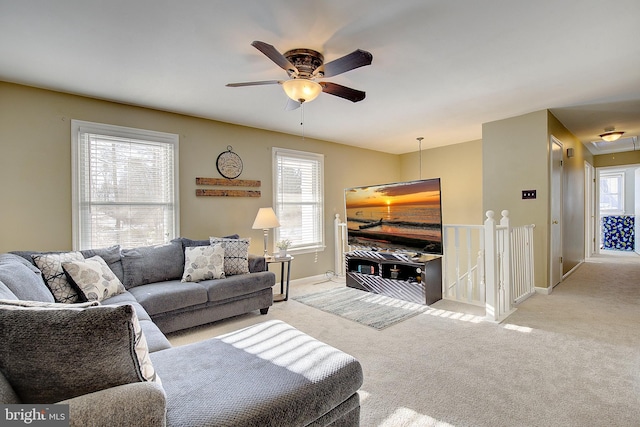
(256,263)
(142,403)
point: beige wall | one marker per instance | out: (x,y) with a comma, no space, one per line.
(35,170)
(459,168)
(617,159)
(515,154)
(573,213)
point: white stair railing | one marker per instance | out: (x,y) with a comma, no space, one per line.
(488,265)
(341,245)
(463,263)
(502,275)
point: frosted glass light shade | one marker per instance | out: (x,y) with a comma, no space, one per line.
(611,136)
(302,90)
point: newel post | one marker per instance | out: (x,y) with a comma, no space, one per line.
(338,239)
(491,267)
(505,283)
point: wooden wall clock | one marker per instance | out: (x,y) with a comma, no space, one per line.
(229,164)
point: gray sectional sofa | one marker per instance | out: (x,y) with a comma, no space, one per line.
(269,374)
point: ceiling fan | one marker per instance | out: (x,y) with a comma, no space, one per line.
(304,66)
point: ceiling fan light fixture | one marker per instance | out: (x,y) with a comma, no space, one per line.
(302,90)
(611,135)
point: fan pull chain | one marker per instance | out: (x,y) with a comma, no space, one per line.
(302,118)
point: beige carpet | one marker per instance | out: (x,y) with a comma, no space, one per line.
(571,358)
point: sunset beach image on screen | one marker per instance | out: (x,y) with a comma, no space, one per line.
(402,216)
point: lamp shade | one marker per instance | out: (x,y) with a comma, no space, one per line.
(302,90)
(266,218)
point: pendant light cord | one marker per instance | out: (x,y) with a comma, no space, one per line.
(420,138)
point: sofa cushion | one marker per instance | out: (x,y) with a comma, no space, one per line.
(236,254)
(83,349)
(239,285)
(155,338)
(7,394)
(203,263)
(149,264)
(93,278)
(5,292)
(162,297)
(51,267)
(111,256)
(265,375)
(23,279)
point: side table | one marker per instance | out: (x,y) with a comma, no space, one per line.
(284,279)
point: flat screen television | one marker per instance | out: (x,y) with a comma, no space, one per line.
(402,216)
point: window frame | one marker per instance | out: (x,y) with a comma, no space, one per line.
(285,153)
(154,137)
(621,177)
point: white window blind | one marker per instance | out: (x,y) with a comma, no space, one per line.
(125,186)
(298,180)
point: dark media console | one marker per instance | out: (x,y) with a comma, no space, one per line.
(415,279)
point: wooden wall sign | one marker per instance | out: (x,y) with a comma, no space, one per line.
(228,193)
(228,182)
(224,182)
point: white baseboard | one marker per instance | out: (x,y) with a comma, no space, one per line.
(573,269)
(320,278)
(543,291)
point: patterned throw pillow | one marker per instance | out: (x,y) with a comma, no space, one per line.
(94,278)
(203,263)
(68,351)
(236,254)
(51,267)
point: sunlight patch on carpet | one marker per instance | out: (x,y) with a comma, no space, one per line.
(455,315)
(405,417)
(524,329)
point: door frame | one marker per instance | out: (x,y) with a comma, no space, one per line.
(589,210)
(556,202)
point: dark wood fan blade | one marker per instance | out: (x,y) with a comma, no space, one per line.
(356,59)
(264,82)
(273,54)
(352,95)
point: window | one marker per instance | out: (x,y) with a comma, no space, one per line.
(612,192)
(299,198)
(125,186)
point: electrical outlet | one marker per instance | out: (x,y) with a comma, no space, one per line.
(528,194)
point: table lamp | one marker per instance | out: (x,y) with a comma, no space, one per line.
(266,219)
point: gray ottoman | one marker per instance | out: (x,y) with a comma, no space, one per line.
(269,374)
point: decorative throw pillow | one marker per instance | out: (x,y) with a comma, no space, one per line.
(236,254)
(41,304)
(203,263)
(110,255)
(93,278)
(52,354)
(51,267)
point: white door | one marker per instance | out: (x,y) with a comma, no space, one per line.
(589,210)
(555,260)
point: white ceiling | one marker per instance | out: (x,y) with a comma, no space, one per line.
(440,68)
